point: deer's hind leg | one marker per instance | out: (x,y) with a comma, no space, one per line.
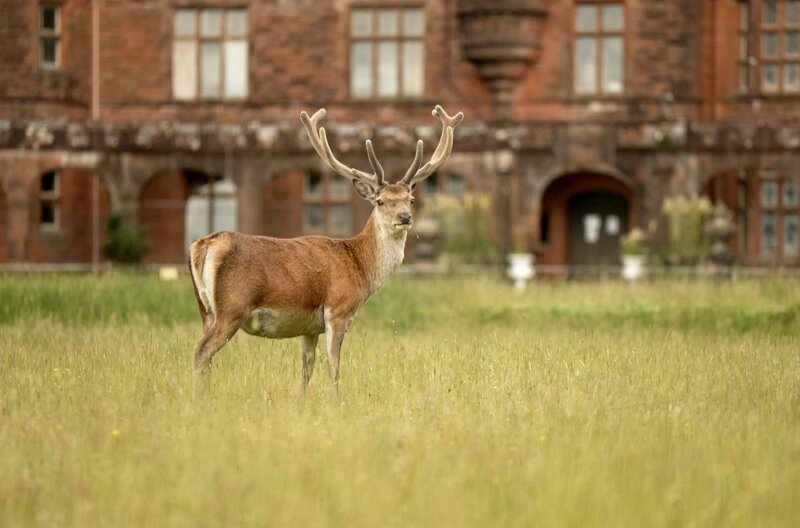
(220,332)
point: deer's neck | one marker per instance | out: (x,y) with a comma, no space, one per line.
(379,253)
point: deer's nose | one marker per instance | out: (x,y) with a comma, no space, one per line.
(405,218)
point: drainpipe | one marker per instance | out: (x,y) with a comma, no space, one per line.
(95,119)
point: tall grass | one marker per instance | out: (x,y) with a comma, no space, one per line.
(461,404)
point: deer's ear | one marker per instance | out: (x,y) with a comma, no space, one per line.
(364,190)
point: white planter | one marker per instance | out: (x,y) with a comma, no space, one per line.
(520,269)
(632,267)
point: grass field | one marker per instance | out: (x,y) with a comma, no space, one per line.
(675,404)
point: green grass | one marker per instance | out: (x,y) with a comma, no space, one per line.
(672,403)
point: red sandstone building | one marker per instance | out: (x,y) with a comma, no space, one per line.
(582,116)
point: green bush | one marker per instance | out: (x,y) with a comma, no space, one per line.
(124,244)
(464,227)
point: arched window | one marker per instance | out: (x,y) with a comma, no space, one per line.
(211,207)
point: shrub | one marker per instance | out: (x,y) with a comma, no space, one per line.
(124,244)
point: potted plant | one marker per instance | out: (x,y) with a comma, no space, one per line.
(633,254)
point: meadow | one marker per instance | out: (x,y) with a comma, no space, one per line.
(668,403)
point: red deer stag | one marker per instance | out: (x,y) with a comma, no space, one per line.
(307,286)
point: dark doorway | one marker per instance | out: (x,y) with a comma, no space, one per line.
(597,220)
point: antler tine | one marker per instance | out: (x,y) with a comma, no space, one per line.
(319,141)
(414,164)
(376,165)
(443,149)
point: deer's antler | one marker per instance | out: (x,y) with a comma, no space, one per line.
(416,173)
(320,143)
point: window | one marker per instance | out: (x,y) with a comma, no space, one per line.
(327,205)
(211,207)
(387,52)
(778,45)
(447,183)
(599,47)
(49,194)
(744,47)
(49,36)
(209,54)
(779,213)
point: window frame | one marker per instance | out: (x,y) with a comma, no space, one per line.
(220,39)
(779,210)
(327,200)
(374,39)
(49,34)
(51,198)
(754,64)
(599,34)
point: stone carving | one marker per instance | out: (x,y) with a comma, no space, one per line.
(39,135)
(501,38)
(78,136)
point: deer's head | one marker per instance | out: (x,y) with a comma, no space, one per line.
(392,202)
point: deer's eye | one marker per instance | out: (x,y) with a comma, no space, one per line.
(413,201)
(379,201)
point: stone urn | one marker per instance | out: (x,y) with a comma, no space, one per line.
(633,267)
(520,269)
(501,37)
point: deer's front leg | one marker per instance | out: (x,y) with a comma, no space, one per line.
(309,346)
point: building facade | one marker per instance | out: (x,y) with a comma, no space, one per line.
(582,117)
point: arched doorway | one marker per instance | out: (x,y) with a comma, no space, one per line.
(176,208)
(596,222)
(583,216)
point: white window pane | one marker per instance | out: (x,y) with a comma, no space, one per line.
(210,23)
(361,69)
(49,51)
(791,77)
(313,218)
(313,185)
(586,18)
(769,44)
(226,213)
(48,19)
(196,219)
(769,77)
(743,79)
(744,16)
(210,69)
(235,68)
(770,13)
(413,68)
(387,69)
(792,44)
(769,193)
(613,17)
(413,22)
(361,22)
(791,237)
(387,22)
(613,64)
(341,220)
(339,187)
(455,185)
(185,22)
(790,193)
(793,12)
(585,65)
(184,69)
(236,22)
(768,238)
